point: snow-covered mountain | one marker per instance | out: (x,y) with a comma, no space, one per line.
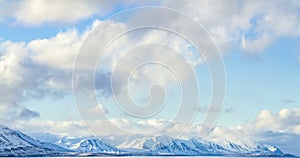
(164,145)
(96,145)
(81,145)
(250,148)
(15,143)
(191,146)
(71,143)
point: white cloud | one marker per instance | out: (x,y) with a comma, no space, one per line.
(98,127)
(36,13)
(65,128)
(286,121)
(231,23)
(44,66)
(58,51)
(19,75)
(254,25)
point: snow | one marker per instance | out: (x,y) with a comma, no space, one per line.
(15,143)
(194,146)
(96,145)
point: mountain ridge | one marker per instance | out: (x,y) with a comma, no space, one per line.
(15,143)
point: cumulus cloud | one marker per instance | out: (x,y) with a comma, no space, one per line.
(21,78)
(43,67)
(102,127)
(64,128)
(48,62)
(58,51)
(35,13)
(253,25)
(286,120)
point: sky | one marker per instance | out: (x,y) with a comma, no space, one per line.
(153,67)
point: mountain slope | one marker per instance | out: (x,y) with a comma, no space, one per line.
(81,145)
(15,143)
(96,145)
(71,143)
(164,145)
(160,145)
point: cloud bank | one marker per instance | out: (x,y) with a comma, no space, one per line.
(280,129)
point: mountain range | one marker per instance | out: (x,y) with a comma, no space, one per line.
(15,143)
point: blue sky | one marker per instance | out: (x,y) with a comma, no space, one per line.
(262,82)
(258,41)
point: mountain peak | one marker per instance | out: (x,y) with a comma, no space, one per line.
(15,143)
(96,145)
